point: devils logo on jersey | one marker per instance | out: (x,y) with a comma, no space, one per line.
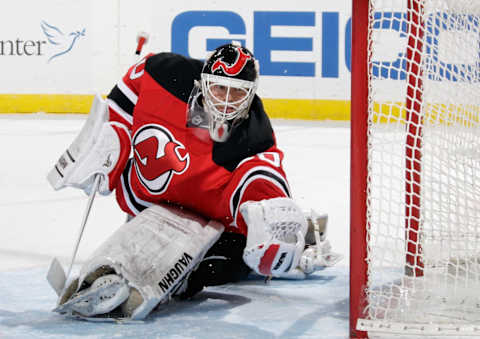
(157,157)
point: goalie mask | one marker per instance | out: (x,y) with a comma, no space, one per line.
(228,84)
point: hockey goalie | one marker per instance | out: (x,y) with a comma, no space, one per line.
(191,155)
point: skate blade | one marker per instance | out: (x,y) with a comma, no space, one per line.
(105,319)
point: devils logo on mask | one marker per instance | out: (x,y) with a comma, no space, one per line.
(157,157)
(234,68)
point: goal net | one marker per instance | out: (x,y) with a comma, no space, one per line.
(415,167)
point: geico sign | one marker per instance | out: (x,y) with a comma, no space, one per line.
(445,64)
(263,41)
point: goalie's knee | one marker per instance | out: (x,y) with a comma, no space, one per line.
(222,264)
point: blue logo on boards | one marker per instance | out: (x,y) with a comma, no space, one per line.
(328,54)
(62,43)
(264,43)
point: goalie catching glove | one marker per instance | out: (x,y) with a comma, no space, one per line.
(276,246)
(101,148)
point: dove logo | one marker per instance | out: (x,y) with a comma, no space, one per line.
(157,157)
(60,42)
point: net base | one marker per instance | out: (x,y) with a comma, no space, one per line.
(383,329)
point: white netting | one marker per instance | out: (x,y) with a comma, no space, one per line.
(445,163)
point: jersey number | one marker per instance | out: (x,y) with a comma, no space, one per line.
(134,74)
(272,158)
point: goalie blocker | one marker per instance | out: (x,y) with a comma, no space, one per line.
(101,148)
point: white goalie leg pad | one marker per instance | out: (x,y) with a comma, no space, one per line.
(276,235)
(152,254)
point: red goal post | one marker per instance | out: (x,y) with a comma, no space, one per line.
(415,168)
(358,164)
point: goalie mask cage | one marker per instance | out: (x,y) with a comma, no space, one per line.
(415,168)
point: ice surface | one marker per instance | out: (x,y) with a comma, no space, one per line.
(314,308)
(38,223)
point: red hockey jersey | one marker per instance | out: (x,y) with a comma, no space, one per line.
(179,164)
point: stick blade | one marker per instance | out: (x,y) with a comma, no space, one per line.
(56,276)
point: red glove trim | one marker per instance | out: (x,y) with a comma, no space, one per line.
(125,144)
(265,266)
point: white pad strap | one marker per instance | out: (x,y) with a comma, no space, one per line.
(318,255)
(154,252)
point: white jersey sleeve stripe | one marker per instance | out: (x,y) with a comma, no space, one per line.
(259,172)
(113,105)
(127,91)
(134,203)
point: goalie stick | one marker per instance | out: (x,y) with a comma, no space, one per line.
(56,276)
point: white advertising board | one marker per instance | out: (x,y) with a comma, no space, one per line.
(83,47)
(61,50)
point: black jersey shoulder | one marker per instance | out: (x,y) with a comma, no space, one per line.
(252,136)
(174,72)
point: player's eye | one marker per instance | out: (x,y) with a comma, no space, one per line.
(219,89)
(237,93)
